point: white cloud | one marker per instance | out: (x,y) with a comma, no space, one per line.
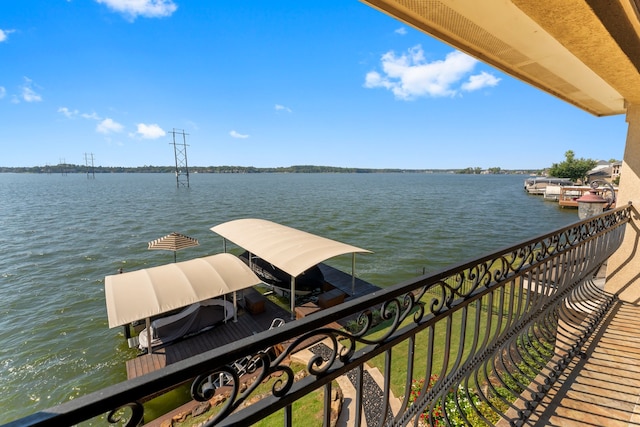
(4,34)
(480,81)
(68,113)
(92,116)
(411,76)
(146,8)
(402,31)
(235,134)
(28,93)
(108,126)
(3,92)
(282,108)
(72,114)
(152,131)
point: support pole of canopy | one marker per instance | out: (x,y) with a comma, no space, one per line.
(293,298)
(224,298)
(149,347)
(224,245)
(353,274)
(235,308)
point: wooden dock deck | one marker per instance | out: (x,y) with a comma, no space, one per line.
(341,280)
(248,324)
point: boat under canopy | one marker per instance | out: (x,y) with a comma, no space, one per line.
(312,280)
(145,293)
(291,250)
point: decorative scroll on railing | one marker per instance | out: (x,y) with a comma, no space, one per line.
(471,345)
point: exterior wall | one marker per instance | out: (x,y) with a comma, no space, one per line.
(615,169)
(623,269)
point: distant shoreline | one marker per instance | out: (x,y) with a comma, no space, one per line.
(69,168)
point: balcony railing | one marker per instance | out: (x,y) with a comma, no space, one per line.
(477,344)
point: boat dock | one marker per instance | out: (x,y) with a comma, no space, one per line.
(248,324)
(341,280)
(569,195)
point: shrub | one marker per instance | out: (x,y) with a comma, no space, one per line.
(460,406)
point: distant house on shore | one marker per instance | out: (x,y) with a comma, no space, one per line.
(615,169)
(604,171)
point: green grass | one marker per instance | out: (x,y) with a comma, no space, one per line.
(440,352)
(307,411)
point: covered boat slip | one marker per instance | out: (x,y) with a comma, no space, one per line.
(291,250)
(150,292)
(247,324)
(157,291)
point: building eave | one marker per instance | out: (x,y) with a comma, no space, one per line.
(579,51)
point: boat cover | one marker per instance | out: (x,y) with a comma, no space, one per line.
(152,291)
(291,250)
(195,318)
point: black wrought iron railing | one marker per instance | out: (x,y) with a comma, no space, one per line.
(475,344)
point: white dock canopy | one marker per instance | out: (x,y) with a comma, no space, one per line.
(291,250)
(144,293)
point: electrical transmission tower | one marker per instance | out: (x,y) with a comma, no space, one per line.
(91,173)
(180,152)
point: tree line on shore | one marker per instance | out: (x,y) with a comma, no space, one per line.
(71,168)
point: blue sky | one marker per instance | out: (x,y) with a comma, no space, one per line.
(266,84)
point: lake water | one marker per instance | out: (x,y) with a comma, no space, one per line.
(61,235)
